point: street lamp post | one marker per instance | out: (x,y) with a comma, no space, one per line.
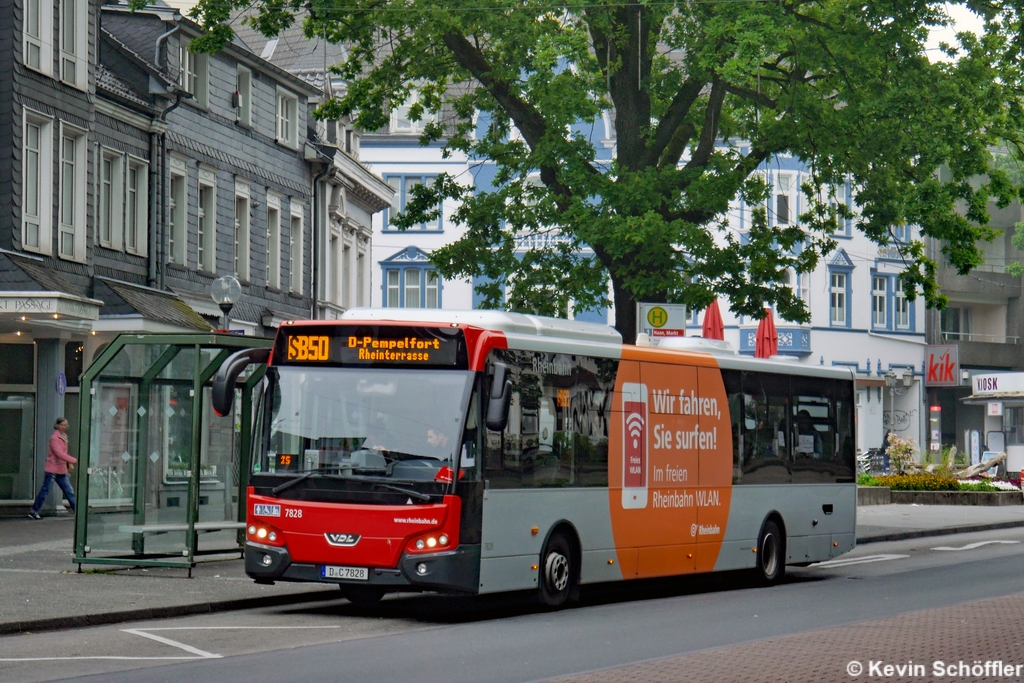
(226,291)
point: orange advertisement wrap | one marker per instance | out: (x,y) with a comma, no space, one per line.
(669,464)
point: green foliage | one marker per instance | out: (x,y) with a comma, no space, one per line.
(919,482)
(845,86)
(978,486)
(867,480)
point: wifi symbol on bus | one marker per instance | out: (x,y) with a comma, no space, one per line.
(635,427)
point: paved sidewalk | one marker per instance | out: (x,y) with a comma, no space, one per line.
(897,522)
(40,588)
(976,641)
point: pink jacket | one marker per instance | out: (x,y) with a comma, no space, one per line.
(58,458)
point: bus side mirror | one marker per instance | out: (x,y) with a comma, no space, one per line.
(500,399)
(227,374)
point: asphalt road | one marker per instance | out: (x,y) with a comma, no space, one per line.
(507,638)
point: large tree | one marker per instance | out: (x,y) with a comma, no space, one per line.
(702,93)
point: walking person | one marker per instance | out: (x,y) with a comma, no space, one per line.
(58,463)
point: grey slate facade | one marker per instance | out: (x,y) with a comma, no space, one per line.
(98,128)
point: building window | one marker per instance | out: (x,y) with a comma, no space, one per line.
(242,231)
(243,96)
(273,242)
(782,199)
(37,178)
(955,324)
(178,210)
(394,290)
(287,118)
(879,301)
(71,240)
(901,233)
(74,25)
(837,201)
(360,279)
(37,45)
(194,73)
(207,221)
(902,307)
(401,121)
(412,287)
(839,312)
(111,199)
(295,251)
(404,187)
(136,214)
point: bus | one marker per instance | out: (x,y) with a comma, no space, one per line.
(474,452)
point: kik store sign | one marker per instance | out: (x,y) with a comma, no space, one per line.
(942,366)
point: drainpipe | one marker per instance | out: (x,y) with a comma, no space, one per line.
(318,217)
(158,154)
(164,217)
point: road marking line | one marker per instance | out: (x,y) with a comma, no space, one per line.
(172,643)
(235,628)
(846,562)
(972,546)
(65,659)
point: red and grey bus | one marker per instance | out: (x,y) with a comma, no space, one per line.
(478,451)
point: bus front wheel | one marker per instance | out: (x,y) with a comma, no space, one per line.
(362,596)
(556,572)
(771,554)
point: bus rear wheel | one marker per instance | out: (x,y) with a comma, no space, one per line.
(771,554)
(362,596)
(557,573)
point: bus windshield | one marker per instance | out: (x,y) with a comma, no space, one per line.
(399,424)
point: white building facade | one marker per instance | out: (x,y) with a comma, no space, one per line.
(860,316)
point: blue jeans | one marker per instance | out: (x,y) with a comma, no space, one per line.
(63,481)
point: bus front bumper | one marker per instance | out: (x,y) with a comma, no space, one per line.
(455,570)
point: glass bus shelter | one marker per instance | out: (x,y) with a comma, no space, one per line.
(161,478)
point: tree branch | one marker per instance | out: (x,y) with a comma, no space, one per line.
(528,120)
(752,95)
(709,133)
(670,124)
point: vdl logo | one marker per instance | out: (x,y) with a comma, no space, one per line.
(657,316)
(342,540)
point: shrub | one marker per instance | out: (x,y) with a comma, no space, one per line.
(919,482)
(902,452)
(867,480)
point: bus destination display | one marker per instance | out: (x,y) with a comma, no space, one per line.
(381,346)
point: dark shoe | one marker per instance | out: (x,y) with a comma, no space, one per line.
(34,515)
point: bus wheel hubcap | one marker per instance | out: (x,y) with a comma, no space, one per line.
(557,570)
(770,553)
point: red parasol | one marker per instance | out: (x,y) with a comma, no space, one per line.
(713,327)
(767,340)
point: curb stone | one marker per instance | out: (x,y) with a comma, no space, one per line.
(104,618)
(948,531)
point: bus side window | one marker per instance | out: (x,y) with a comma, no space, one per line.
(502,450)
(813,431)
(844,411)
(766,454)
(734,395)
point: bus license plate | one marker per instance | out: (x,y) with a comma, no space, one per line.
(352,573)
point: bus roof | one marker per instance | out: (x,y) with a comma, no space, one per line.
(539,333)
(500,321)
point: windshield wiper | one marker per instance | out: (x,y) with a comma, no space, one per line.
(409,492)
(306,475)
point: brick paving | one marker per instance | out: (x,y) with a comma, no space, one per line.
(986,630)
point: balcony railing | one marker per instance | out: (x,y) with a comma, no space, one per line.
(793,341)
(974,337)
